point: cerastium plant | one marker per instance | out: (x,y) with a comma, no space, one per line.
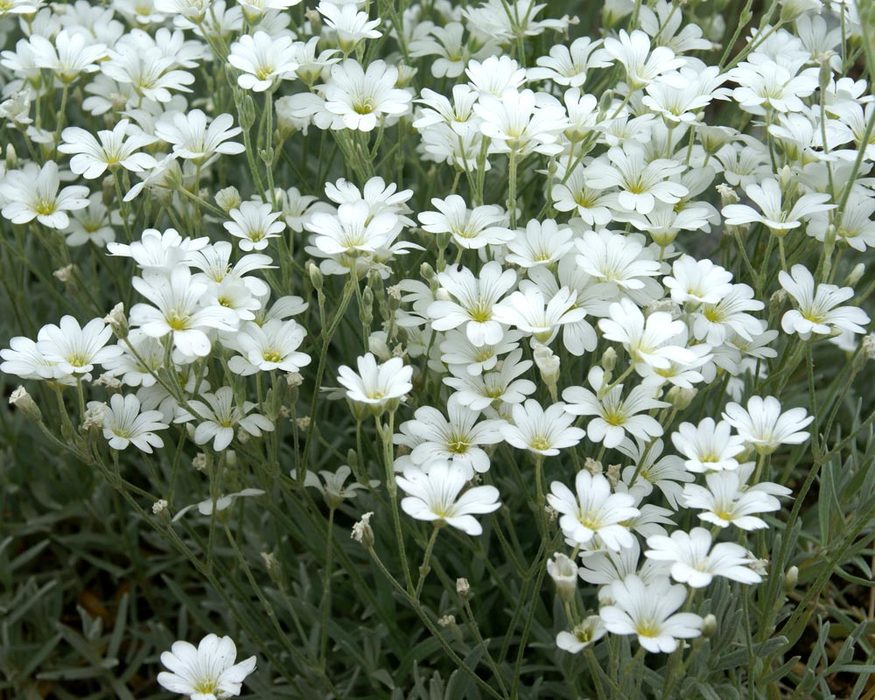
(434,350)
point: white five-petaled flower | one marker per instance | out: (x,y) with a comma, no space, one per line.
(32,193)
(649,610)
(376,385)
(819,311)
(763,426)
(708,446)
(124,424)
(219,415)
(593,511)
(769,199)
(74,349)
(116,147)
(541,431)
(693,561)
(436,495)
(475,302)
(614,415)
(361,98)
(263,60)
(207,672)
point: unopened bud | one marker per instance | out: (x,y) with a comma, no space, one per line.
(824,75)
(294,380)
(200,462)
(681,397)
(447,620)
(777,301)
(548,365)
(159,506)
(427,272)
(463,588)
(362,532)
(869,346)
(563,571)
(709,625)
(366,312)
(315,275)
(117,321)
(609,360)
(24,402)
(855,275)
(11,157)
(790,578)
(228,199)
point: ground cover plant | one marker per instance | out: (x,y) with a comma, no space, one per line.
(437,350)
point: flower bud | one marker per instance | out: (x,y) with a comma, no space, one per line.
(593,466)
(65,274)
(427,273)
(681,397)
(727,195)
(228,199)
(24,402)
(790,579)
(117,321)
(609,360)
(159,507)
(11,157)
(709,625)
(563,571)
(613,474)
(463,588)
(855,275)
(362,532)
(548,365)
(315,274)
(869,346)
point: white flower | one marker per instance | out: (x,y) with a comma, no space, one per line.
(694,562)
(568,65)
(615,416)
(529,311)
(541,431)
(161,252)
(471,229)
(124,424)
(642,65)
(352,230)
(475,302)
(819,311)
(541,243)
(768,198)
(763,426)
(115,148)
(437,496)
(178,311)
(583,635)
(268,347)
(71,54)
(73,349)
(697,281)
(263,60)
(708,446)
(254,224)
(207,672)
(32,193)
(641,181)
(479,392)
(650,612)
(374,384)
(594,511)
(223,502)
(618,259)
(350,25)
(219,416)
(725,499)
(517,122)
(363,98)
(647,340)
(192,139)
(765,84)
(457,438)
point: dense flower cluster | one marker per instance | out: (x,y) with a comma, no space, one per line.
(594,310)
